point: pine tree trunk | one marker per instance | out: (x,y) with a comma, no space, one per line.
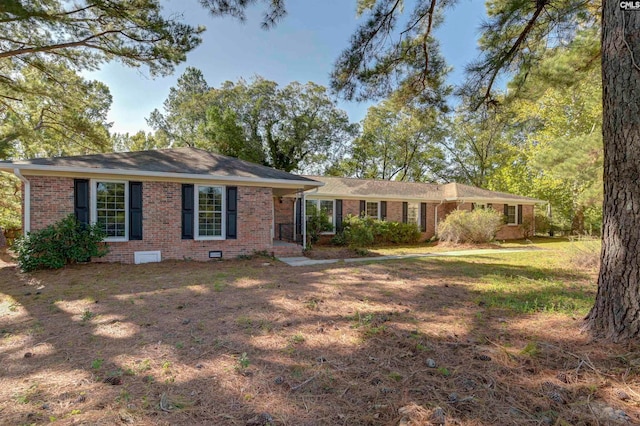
(616,313)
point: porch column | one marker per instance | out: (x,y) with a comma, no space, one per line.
(303,205)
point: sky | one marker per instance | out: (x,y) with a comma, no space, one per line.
(303,47)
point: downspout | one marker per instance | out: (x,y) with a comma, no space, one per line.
(26,197)
(435,228)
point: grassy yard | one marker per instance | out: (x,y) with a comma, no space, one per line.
(483,340)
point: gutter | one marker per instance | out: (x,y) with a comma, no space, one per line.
(26,197)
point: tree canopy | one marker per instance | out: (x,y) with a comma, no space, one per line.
(46,107)
(296,127)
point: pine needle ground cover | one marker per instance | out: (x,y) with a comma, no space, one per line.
(485,340)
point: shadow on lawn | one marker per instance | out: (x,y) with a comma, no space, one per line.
(218,343)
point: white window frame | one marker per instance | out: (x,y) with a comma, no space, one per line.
(366,202)
(196,213)
(317,201)
(515,215)
(93,195)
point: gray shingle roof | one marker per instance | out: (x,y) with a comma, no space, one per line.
(174,160)
(384,189)
(371,188)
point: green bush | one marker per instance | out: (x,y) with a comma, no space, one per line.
(357,231)
(478,226)
(365,231)
(64,242)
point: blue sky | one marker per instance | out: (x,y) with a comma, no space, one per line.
(303,47)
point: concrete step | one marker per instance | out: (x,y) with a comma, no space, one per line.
(289,250)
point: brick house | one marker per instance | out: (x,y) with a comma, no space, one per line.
(182,203)
(425,204)
(187,203)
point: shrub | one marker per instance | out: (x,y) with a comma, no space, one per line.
(478,226)
(366,231)
(64,242)
(357,231)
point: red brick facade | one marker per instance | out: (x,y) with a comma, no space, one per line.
(52,199)
(284,214)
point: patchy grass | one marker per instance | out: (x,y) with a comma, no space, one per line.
(488,339)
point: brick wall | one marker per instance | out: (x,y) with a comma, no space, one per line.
(506,232)
(394,214)
(52,199)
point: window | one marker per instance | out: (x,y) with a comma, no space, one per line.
(479,206)
(413,213)
(512,215)
(327,207)
(373,209)
(209,212)
(110,209)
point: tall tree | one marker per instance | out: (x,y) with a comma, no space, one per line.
(477,144)
(296,127)
(616,314)
(184,115)
(397,143)
(53,111)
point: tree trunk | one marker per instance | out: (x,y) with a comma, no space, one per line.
(616,313)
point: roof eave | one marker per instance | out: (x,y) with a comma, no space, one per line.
(305,184)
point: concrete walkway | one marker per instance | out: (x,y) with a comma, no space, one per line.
(305,261)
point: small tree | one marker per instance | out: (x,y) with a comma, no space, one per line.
(478,226)
(64,242)
(317,223)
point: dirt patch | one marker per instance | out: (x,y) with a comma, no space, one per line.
(336,252)
(255,342)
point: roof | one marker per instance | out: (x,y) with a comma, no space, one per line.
(172,162)
(386,189)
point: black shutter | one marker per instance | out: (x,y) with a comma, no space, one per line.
(383,210)
(489,205)
(299,217)
(232,212)
(338,215)
(519,214)
(363,207)
(423,217)
(506,210)
(188,213)
(135,210)
(405,212)
(81,200)
(473,206)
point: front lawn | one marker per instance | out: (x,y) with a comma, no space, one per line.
(483,340)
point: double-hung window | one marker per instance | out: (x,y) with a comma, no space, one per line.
(110,209)
(413,213)
(372,209)
(325,207)
(512,215)
(209,202)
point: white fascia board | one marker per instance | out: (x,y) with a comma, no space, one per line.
(84,171)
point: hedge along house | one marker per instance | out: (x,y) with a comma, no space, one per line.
(182,203)
(425,204)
